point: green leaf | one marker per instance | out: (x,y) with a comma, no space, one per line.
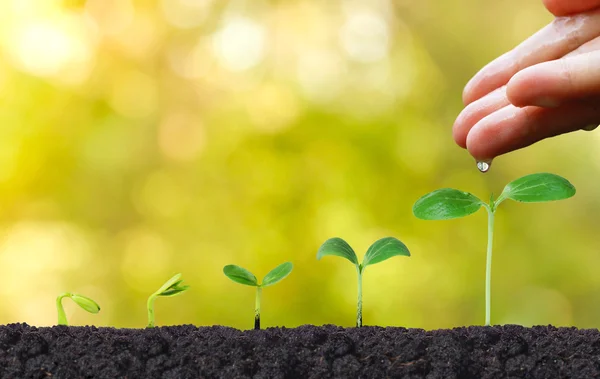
(240,275)
(172,287)
(86,303)
(277,274)
(174,291)
(445,204)
(383,249)
(338,247)
(536,188)
(169,283)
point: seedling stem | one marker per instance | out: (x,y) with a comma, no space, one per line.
(257,308)
(359,316)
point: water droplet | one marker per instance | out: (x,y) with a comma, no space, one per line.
(483,166)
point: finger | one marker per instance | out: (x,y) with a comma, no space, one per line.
(554,41)
(476,111)
(566,7)
(587,47)
(513,128)
(551,83)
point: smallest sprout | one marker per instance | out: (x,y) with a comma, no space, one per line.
(172,287)
(84,302)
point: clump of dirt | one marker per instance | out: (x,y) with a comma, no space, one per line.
(304,352)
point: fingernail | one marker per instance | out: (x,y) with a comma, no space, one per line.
(545,102)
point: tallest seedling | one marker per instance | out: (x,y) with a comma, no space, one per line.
(448,203)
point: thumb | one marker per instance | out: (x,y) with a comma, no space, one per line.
(569,7)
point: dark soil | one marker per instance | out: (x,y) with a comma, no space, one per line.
(305,352)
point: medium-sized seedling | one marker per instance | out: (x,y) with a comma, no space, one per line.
(381,250)
(241,275)
(172,287)
(84,302)
(448,203)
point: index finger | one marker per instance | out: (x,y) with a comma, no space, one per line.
(560,37)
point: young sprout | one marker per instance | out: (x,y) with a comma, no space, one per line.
(241,275)
(447,203)
(84,302)
(171,287)
(381,250)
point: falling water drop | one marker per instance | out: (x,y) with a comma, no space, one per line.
(483,166)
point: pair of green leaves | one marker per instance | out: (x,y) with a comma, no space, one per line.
(448,203)
(172,287)
(241,275)
(379,251)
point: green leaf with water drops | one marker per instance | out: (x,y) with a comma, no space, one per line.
(445,204)
(338,247)
(383,249)
(277,274)
(240,275)
(536,188)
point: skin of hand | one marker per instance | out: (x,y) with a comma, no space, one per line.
(546,86)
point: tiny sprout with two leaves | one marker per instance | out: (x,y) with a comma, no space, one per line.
(448,203)
(241,275)
(381,250)
(84,302)
(172,287)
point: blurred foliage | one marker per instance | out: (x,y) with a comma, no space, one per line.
(143,138)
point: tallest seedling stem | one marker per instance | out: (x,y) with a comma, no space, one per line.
(488,266)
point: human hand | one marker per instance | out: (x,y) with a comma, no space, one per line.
(546,86)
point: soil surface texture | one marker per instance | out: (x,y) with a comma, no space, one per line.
(304,352)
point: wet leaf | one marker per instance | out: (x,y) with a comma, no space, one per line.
(445,204)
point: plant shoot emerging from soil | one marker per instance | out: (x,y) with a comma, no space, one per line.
(172,287)
(381,250)
(448,203)
(241,275)
(84,302)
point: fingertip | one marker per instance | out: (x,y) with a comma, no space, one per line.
(477,146)
(458,132)
(517,88)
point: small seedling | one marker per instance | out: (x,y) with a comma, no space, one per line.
(171,287)
(447,203)
(241,275)
(84,302)
(381,250)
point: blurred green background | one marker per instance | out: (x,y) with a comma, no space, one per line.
(139,139)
